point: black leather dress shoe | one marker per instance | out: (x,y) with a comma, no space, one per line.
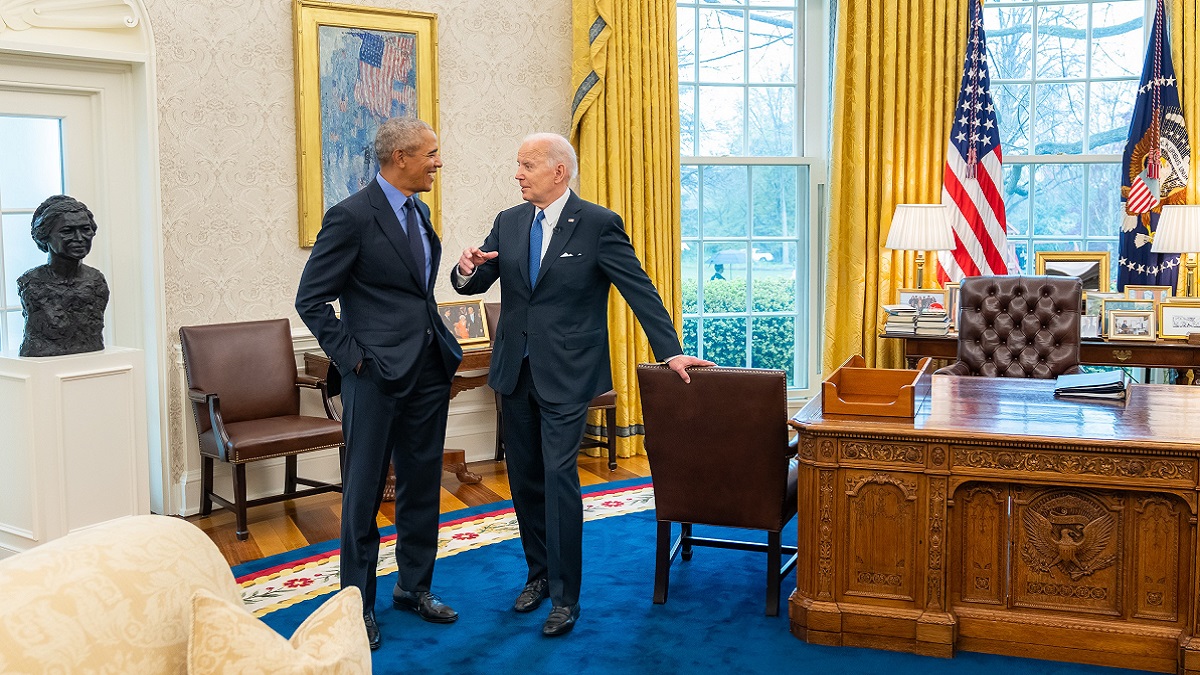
(373,637)
(532,595)
(428,605)
(561,620)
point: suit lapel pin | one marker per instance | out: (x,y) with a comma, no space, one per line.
(570,220)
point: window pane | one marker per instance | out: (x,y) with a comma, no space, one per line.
(1058,200)
(687,120)
(1117,48)
(20,253)
(690,276)
(725,286)
(725,341)
(1058,119)
(775,201)
(14,333)
(1016,198)
(1012,116)
(686,41)
(772,121)
(1113,259)
(774,276)
(1021,248)
(772,47)
(724,201)
(722,45)
(37,141)
(1110,110)
(1010,41)
(1105,208)
(1062,41)
(722,119)
(689,202)
(691,328)
(774,344)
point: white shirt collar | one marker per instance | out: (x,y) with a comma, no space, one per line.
(554,210)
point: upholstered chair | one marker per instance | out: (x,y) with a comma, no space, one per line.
(1018,326)
(720,456)
(244,388)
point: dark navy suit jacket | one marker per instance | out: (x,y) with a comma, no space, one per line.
(362,259)
(564,319)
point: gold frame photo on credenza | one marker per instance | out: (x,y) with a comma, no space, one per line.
(356,67)
(1178,318)
(456,317)
(1070,264)
(1108,306)
(921,298)
(1132,324)
(1159,293)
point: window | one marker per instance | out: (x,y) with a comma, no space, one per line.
(749,195)
(31,169)
(1064,80)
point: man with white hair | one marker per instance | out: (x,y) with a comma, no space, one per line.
(556,257)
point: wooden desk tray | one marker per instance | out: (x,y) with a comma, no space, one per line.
(855,390)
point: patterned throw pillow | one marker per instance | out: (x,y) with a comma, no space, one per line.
(225,638)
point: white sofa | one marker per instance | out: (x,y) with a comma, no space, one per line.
(114,598)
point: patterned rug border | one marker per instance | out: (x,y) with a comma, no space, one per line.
(311,576)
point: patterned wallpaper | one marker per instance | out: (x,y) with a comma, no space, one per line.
(228,144)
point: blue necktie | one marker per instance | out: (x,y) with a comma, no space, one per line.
(535,248)
(412,228)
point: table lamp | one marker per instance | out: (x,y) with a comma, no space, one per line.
(1178,231)
(920,228)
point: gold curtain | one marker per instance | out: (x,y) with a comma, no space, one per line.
(898,66)
(1184,25)
(625,127)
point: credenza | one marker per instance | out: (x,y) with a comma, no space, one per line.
(1003,519)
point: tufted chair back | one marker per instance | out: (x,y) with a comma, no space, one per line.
(1016,326)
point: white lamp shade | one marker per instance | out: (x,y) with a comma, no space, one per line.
(1178,230)
(920,227)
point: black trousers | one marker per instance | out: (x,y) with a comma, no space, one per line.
(410,432)
(541,442)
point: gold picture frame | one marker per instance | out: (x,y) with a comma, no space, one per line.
(469,327)
(1076,264)
(1132,325)
(1108,306)
(953,291)
(921,298)
(355,68)
(1159,293)
(1177,319)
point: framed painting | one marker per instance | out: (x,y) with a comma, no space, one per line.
(1159,293)
(465,320)
(922,299)
(1132,325)
(1092,267)
(1177,319)
(356,67)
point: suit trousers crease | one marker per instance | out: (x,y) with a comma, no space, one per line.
(409,431)
(542,442)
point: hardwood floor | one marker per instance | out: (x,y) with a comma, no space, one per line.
(285,526)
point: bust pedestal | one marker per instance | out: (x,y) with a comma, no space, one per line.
(73,448)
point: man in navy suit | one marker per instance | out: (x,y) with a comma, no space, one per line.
(378,256)
(556,257)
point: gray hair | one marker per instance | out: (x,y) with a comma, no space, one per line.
(398,133)
(558,151)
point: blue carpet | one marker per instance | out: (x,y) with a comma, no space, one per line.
(713,621)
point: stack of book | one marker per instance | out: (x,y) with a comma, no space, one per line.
(933,321)
(901,320)
(1109,384)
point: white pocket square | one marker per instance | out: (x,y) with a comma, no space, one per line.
(570,255)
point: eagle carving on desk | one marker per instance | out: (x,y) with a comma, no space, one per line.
(1073,542)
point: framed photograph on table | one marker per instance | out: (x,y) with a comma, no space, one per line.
(1092,267)
(1159,293)
(1089,326)
(1177,319)
(1107,307)
(356,67)
(922,299)
(465,321)
(1131,325)
(952,291)
(1093,302)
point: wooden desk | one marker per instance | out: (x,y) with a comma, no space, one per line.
(1001,519)
(1161,354)
(453,461)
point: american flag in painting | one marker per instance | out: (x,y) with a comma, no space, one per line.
(384,64)
(971,178)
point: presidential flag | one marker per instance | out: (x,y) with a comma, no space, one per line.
(1154,167)
(971,178)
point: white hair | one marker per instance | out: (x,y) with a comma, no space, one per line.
(558,151)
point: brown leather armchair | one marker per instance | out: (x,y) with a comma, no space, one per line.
(1017,326)
(719,455)
(244,389)
(606,402)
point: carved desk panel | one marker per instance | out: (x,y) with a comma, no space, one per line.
(1004,520)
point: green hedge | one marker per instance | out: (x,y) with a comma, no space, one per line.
(773,343)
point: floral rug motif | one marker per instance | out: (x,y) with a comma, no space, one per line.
(295,581)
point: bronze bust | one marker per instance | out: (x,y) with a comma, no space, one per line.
(63,301)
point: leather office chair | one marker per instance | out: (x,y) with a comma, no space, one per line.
(719,455)
(244,389)
(606,401)
(1018,326)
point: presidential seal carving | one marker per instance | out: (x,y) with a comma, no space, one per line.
(1068,531)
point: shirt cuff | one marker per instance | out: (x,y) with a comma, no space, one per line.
(668,359)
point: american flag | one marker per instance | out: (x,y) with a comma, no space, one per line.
(972,175)
(1154,166)
(383,65)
